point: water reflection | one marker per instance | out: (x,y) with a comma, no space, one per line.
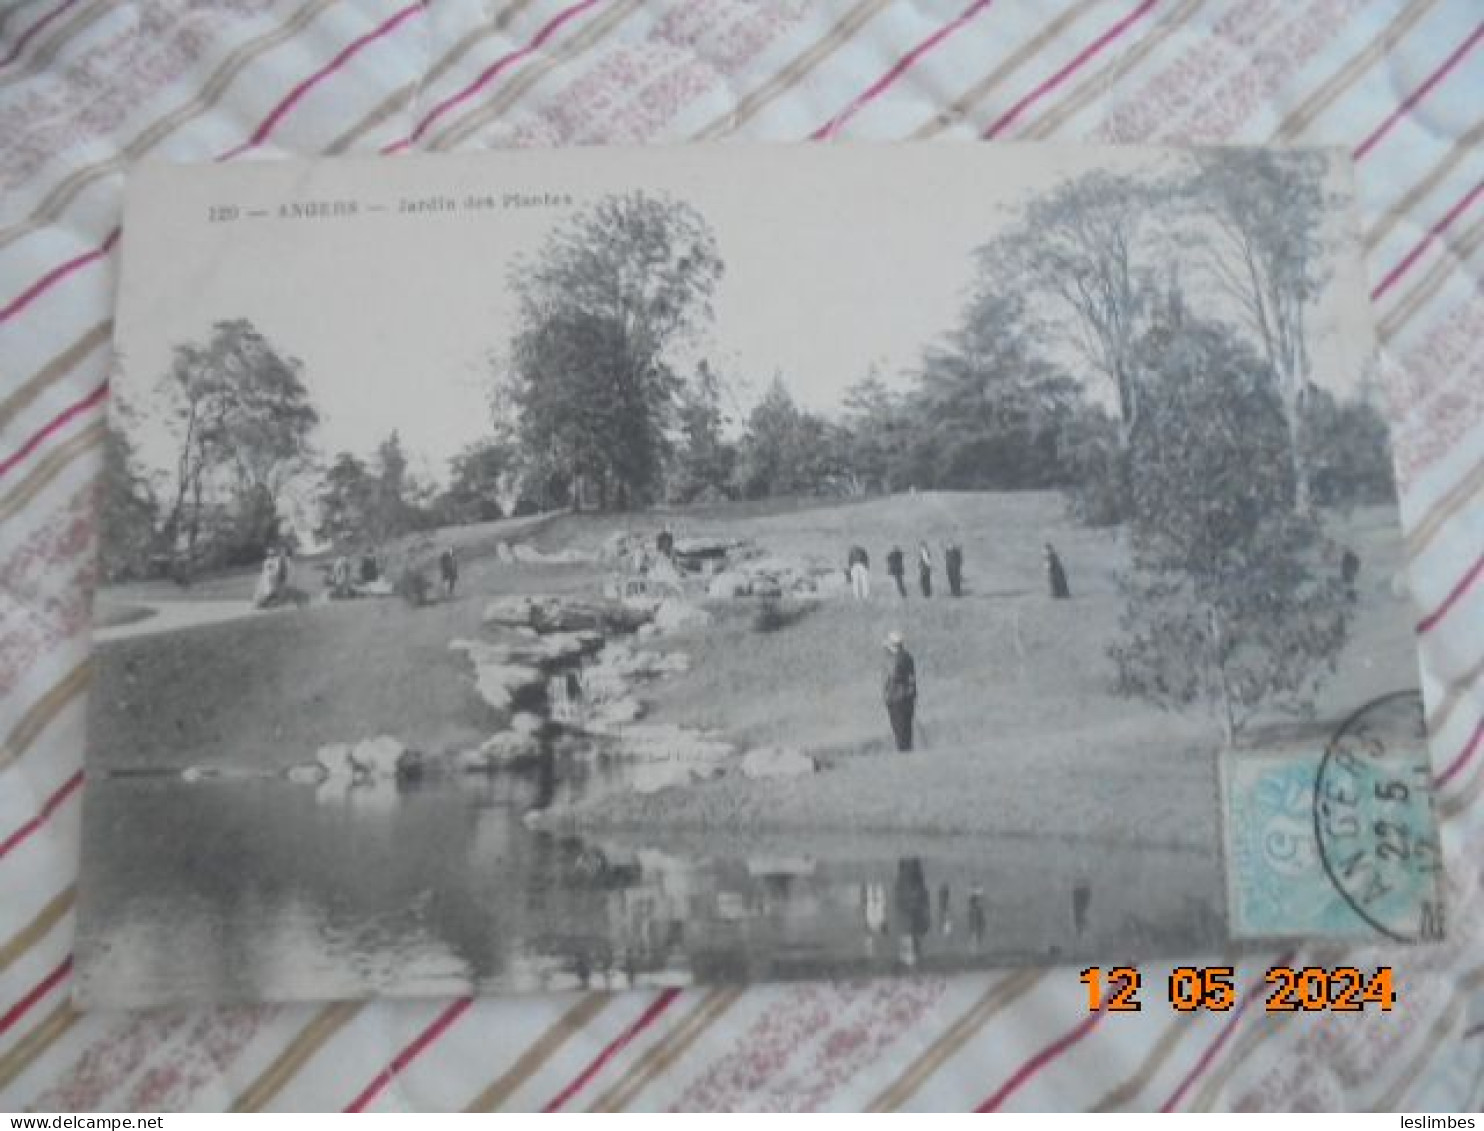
(235,890)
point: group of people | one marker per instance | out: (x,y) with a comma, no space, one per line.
(899,687)
(858,570)
(914,911)
(359,578)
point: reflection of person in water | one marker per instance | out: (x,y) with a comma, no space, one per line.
(873,913)
(914,908)
(977,924)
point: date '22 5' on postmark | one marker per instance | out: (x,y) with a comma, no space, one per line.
(1340,841)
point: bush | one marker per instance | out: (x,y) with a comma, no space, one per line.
(414,587)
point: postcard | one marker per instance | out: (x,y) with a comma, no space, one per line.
(591,569)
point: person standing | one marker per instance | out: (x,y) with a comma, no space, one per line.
(900,690)
(953,563)
(448,569)
(896,567)
(858,565)
(1056,576)
(925,569)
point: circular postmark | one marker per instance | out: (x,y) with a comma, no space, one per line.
(1374,821)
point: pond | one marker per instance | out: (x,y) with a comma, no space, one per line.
(252,889)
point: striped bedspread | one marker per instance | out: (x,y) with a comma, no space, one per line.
(89,86)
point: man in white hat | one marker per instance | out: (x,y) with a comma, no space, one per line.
(900,689)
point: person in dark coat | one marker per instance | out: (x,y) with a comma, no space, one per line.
(896,567)
(925,568)
(1349,571)
(664,542)
(1056,576)
(900,690)
(978,920)
(953,563)
(448,569)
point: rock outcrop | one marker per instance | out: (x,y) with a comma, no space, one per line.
(777,762)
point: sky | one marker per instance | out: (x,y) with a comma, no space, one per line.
(839,258)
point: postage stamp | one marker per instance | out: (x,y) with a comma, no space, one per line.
(1338,840)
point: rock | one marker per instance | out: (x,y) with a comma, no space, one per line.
(766,587)
(648,631)
(680,616)
(565,614)
(498,682)
(370,758)
(334,757)
(526,723)
(614,713)
(702,547)
(831,584)
(776,762)
(500,749)
(651,777)
(379,757)
(310,774)
(729,583)
(666,742)
(621,662)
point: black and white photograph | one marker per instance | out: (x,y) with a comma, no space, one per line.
(595,569)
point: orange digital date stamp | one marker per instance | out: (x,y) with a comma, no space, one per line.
(1287,989)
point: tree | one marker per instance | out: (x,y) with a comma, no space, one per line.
(477,482)
(346,500)
(128,512)
(242,421)
(1077,252)
(1267,209)
(787,451)
(875,432)
(703,459)
(601,309)
(995,406)
(1234,600)
(1347,451)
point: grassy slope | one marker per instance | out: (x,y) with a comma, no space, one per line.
(1014,697)
(1020,729)
(270,689)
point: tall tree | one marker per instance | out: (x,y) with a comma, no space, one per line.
(1233,601)
(703,458)
(128,512)
(1267,253)
(612,293)
(1077,249)
(242,421)
(786,450)
(875,428)
(346,500)
(996,405)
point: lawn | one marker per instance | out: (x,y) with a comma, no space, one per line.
(1019,726)
(1019,733)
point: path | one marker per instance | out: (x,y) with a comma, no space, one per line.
(172,616)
